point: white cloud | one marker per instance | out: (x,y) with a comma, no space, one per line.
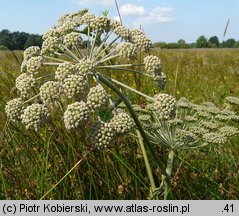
(116,18)
(98,2)
(142,16)
(130,9)
(158,15)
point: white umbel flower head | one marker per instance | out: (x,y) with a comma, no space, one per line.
(123,32)
(153,65)
(14,109)
(88,18)
(142,42)
(63,70)
(53,32)
(31,52)
(50,91)
(66,28)
(76,115)
(100,24)
(214,138)
(114,24)
(84,66)
(165,106)
(24,66)
(122,123)
(34,63)
(232,100)
(74,85)
(97,98)
(50,45)
(24,83)
(127,50)
(228,131)
(102,134)
(34,116)
(73,39)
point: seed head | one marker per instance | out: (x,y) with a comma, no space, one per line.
(31,52)
(73,39)
(84,66)
(127,50)
(165,106)
(76,115)
(97,98)
(123,32)
(66,28)
(63,70)
(50,45)
(153,65)
(74,85)
(214,138)
(88,19)
(122,123)
(142,42)
(114,24)
(102,134)
(183,103)
(34,63)
(24,83)
(50,91)
(53,32)
(100,24)
(232,100)
(34,116)
(14,109)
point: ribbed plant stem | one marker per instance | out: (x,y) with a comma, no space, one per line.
(169,170)
(146,161)
(136,120)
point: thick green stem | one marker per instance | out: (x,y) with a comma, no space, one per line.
(147,164)
(136,120)
(169,170)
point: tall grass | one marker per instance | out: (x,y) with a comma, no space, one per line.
(32,165)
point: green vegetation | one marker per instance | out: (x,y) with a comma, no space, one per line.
(18,40)
(95,119)
(32,163)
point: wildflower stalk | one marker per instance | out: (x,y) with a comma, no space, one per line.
(71,54)
(133,71)
(131,89)
(121,65)
(169,169)
(136,120)
(147,164)
(105,48)
(54,59)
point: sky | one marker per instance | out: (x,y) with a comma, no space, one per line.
(161,20)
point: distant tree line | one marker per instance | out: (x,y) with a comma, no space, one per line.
(22,40)
(18,40)
(201,42)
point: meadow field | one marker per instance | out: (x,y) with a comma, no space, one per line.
(44,165)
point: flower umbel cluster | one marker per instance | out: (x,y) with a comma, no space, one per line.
(65,76)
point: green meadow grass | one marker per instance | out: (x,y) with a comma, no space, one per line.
(32,163)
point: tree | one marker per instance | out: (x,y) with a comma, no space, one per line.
(214,41)
(229,43)
(33,40)
(202,42)
(182,44)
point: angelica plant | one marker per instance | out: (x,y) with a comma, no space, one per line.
(67,77)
